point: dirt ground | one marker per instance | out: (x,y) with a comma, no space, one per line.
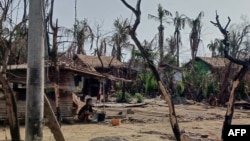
(148,123)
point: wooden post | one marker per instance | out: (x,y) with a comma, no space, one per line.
(35,73)
(53,124)
(104,95)
(11,109)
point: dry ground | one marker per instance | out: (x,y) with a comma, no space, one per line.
(149,123)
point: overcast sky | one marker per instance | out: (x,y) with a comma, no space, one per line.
(108,10)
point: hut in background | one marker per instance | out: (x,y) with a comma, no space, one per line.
(69,72)
(110,67)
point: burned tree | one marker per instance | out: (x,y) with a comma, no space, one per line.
(54,58)
(83,33)
(9,37)
(145,53)
(100,48)
(238,77)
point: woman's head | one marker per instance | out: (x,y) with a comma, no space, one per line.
(89,101)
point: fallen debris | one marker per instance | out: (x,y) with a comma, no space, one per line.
(130,111)
(119,105)
(114,138)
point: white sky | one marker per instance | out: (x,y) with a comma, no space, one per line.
(108,10)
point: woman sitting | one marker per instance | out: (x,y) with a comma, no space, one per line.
(86,111)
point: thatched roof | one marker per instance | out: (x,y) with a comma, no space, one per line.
(215,62)
(64,64)
(95,62)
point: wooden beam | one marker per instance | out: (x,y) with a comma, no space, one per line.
(52,123)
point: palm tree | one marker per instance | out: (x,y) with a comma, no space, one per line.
(220,48)
(212,46)
(148,81)
(83,33)
(171,45)
(120,38)
(215,46)
(161,17)
(179,23)
(195,35)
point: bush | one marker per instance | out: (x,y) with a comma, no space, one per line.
(139,97)
(118,85)
(128,97)
(242,90)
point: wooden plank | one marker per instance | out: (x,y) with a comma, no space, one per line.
(52,123)
(66,106)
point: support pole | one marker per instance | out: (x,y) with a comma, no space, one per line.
(104,95)
(123,92)
(35,73)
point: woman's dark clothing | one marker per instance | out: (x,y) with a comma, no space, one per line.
(85,111)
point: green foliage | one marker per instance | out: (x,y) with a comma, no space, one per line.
(180,88)
(162,16)
(213,87)
(133,87)
(148,81)
(118,85)
(139,97)
(200,79)
(242,90)
(128,97)
(196,73)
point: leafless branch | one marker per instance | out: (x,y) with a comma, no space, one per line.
(226,40)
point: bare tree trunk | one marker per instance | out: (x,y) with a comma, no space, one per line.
(52,123)
(132,59)
(224,91)
(178,49)
(54,59)
(245,67)
(10,97)
(57,99)
(11,109)
(230,106)
(165,92)
(119,52)
(6,44)
(97,48)
(161,44)
(35,73)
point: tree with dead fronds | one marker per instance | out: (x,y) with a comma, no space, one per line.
(245,63)
(83,33)
(195,34)
(132,32)
(120,37)
(53,54)
(10,36)
(162,17)
(101,44)
(171,45)
(239,38)
(179,23)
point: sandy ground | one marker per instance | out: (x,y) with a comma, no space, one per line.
(149,123)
